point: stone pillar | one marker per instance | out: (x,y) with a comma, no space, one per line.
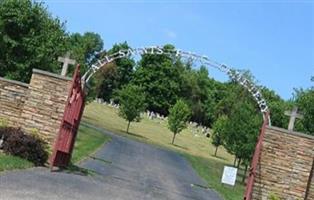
(44,106)
(285,165)
(12,98)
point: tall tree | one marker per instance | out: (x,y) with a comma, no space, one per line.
(244,120)
(159,75)
(132,103)
(277,107)
(85,48)
(218,130)
(305,102)
(29,38)
(178,117)
(201,93)
(115,75)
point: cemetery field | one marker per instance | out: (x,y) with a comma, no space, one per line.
(88,141)
(197,148)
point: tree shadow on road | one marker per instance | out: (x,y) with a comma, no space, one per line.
(76,170)
(135,135)
(218,157)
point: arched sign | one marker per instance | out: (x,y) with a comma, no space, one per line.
(204,60)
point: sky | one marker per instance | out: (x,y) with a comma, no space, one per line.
(272,39)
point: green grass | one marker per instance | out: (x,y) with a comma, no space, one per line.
(8,162)
(197,149)
(87,142)
(211,171)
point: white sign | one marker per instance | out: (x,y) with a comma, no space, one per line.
(229,175)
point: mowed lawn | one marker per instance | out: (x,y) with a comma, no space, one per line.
(8,162)
(197,149)
(87,142)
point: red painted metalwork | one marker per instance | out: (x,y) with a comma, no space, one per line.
(255,159)
(63,147)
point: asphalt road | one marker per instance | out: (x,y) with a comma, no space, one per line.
(124,170)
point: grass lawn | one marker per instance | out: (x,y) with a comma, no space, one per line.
(88,141)
(8,162)
(197,149)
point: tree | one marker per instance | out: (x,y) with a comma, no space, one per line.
(305,102)
(218,129)
(277,107)
(159,76)
(115,75)
(84,48)
(29,38)
(198,90)
(178,116)
(241,130)
(132,103)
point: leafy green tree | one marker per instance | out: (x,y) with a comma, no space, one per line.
(243,128)
(277,107)
(115,75)
(218,130)
(84,48)
(244,120)
(29,38)
(178,116)
(132,103)
(305,102)
(198,90)
(159,76)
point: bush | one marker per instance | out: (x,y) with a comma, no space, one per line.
(25,146)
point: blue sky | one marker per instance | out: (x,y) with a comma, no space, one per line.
(274,40)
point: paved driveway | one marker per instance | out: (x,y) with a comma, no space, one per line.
(125,170)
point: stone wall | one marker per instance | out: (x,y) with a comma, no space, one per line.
(45,103)
(12,98)
(285,166)
(38,106)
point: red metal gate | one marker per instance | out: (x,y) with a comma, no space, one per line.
(63,147)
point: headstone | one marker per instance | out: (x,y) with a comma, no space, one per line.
(111,103)
(66,62)
(293,116)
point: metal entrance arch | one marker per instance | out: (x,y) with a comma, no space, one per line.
(204,60)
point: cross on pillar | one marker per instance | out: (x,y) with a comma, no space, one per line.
(66,61)
(293,116)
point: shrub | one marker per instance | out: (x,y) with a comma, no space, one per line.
(25,146)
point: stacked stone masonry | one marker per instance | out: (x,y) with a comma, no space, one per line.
(12,98)
(285,166)
(38,106)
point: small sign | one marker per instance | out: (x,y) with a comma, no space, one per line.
(229,175)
